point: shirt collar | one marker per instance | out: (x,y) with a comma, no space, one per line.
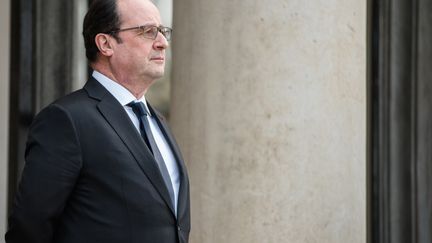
(119,92)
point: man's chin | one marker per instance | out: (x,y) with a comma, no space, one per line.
(158,75)
(153,73)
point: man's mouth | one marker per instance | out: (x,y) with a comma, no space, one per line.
(158,59)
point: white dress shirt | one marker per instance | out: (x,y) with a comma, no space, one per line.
(124,97)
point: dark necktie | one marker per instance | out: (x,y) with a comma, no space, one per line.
(141,112)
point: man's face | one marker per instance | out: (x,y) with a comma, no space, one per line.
(137,57)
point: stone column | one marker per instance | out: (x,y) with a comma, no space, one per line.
(79,60)
(55,43)
(269,107)
(4,109)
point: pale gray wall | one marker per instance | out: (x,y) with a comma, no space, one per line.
(4,108)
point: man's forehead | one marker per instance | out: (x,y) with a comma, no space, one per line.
(143,11)
(132,5)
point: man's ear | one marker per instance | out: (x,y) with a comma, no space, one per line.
(103,42)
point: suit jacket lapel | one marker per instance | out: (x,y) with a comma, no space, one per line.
(116,116)
(184,183)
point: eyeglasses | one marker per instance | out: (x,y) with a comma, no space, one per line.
(149,31)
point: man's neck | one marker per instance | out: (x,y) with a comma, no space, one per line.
(136,87)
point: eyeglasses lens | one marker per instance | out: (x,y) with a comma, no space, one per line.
(151,32)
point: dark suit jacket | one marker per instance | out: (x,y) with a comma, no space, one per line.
(90,178)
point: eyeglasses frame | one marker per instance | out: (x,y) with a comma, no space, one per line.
(160,29)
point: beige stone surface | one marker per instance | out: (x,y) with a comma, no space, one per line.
(269,108)
(4,109)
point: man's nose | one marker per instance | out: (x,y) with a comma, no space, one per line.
(160,42)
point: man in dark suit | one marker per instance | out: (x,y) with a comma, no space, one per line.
(101,163)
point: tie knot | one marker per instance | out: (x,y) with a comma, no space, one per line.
(139,108)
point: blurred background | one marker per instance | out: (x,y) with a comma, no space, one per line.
(300,121)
